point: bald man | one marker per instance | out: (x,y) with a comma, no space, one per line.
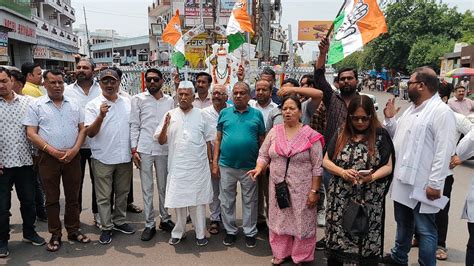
(423,148)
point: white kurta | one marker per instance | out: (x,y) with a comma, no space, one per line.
(189,176)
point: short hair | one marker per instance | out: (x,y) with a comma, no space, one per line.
(269,71)
(444,91)
(28,67)
(459,86)
(209,77)
(116,69)
(293,82)
(18,75)
(54,72)
(244,84)
(213,86)
(153,70)
(90,61)
(346,69)
(267,82)
(6,71)
(293,97)
(309,79)
(428,76)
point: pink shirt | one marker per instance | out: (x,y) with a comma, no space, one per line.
(465,107)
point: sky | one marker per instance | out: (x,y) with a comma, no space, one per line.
(130,17)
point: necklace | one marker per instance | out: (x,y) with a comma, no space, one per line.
(221,76)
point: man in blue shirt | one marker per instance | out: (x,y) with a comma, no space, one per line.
(240,132)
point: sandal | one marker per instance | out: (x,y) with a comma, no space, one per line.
(276,261)
(214,228)
(54,244)
(133,208)
(441,253)
(79,237)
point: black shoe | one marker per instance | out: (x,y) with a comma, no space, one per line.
(105,237)
(167,226)
(124,228)
(250,241)
(262,226)
(229,240)
(148,233)
(174,241)
(34,239)
(202,242)
(4,252)
(388,260)
(321,244)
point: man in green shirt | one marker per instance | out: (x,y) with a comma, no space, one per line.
(240,132)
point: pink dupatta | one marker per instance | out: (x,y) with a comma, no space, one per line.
(302,141)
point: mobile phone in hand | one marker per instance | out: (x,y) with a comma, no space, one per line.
(365,172)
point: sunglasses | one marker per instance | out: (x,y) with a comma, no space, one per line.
(364,118)
(109,81)
(155,79)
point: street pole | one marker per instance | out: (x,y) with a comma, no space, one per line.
(87,33)
(265,29)
(291,60)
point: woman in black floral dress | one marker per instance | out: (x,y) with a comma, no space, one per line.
(362,144)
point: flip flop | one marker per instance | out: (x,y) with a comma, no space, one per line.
(54,244)
(276,261)
(441,254)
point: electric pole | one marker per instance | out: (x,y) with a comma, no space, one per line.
(265,29)
(87,33)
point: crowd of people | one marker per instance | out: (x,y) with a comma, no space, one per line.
(288,148)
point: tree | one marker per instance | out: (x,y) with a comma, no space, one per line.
(468,28)
(353,60)
(427,50)
(407,21)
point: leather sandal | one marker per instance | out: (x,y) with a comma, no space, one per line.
(79,237)
(54,244)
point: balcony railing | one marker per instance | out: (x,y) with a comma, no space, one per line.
(49,30)
(63,7)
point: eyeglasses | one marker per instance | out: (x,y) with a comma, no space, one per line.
(364,118)
(413,82)
(109,81)
(155,79)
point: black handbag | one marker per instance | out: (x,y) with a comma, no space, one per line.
(282,192)
(355,219)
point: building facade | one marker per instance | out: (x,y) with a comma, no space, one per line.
(126,49)
(17,32)
(57,45)
(95,37)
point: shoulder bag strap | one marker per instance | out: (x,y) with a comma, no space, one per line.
(287,165)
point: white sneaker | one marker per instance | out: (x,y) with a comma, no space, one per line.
(97,222)
(321,218)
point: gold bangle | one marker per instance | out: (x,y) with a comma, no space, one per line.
(45,146)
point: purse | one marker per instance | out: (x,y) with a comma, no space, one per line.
(355,219)
(282,192)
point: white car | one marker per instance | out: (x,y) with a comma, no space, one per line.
(374,100)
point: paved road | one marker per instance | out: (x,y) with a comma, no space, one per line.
(128,249)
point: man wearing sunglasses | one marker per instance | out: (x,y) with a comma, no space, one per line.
(107,120)
(148,109)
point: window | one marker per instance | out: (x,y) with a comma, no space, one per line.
(134,52)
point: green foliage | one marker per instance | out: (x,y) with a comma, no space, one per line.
(468,28)
(410,21)
(427,50)
(353,60)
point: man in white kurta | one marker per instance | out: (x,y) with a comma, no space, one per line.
(189,177)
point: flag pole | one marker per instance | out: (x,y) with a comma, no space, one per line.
(332,24)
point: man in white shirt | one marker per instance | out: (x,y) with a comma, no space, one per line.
(107,120)
(264,103)
(423,153)
(189,183)
(84,90)
(202,97)
(211,115)
(148,109)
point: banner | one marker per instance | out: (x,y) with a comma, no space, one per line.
(191,8)
(226,7)
(313,30)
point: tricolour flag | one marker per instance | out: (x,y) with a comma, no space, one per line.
(239,22)
(360,22)
(173,35)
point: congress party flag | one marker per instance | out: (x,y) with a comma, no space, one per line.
(173,35)
(359,22)
(239,22)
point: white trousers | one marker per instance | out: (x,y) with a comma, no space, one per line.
(198,217)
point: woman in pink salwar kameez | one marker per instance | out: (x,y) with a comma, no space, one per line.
(292,229)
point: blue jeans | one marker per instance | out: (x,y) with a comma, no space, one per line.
(406,219)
